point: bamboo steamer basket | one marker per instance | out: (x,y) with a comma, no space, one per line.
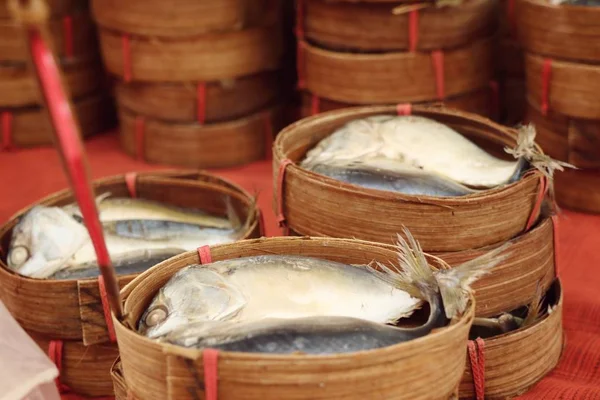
(431,366)
(572,89)
(565,31)
(18,86)
(517,360)
(30,126)
(70,309)
(119,384)
(208,57)
(184,102)
(575,141)
(510,60)
(183,17)
(513,282)
(373,27)
(440,224)
(382,78)
(85,369)
(216,145)
(56,8)
(81,43)
(478,102)
(514,101)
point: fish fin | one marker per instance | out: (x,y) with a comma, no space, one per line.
(252,211)
(232,214)
(535,307)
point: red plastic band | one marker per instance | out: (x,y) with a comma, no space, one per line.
(125,43)
(404,109)
(495,100)
(106,309)
(55,352)
(543,188)
(299,20)
(300,64)
(315,105)
(546,76)
(437,57)
(7,130)
(477,357)
(510,16)
(130,181)
(413,30)
(139,137)
(210,357)
(68,34)
(201,102)
(280,178)
(204,255)
(555,226)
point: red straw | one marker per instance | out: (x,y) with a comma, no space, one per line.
(130,181)
(404,109)
(204,255)
(477,358)
(546,76)
(413,30)
(210,358)
(201,102)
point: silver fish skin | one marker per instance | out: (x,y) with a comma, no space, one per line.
(586,3)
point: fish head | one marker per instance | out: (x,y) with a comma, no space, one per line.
(43,240)
(195,294)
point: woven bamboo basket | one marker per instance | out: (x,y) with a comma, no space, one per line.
(85,369)
(513,282)
(183,17)
(56,8)
(374,27)
(567,32)
(222,144)
(514,102)
(440,224)
(382,78)
(70,309)
(517,360)
(575,141)
(73,36)
(480,102)
(430,366)
(30,126)
(18,87)
(510,60)
(206,102)
(119,384)
(208,57)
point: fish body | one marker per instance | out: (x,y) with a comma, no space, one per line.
(403,143)
(588,3)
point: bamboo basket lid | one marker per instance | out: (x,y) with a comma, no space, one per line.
(570,89)
(430,366)
(373,27)
(216,145)
(516,361)
(204,101)
(56,8)
(382,78)
(31,126)
(73,36)
(18,86)
(440,224)
(208,57)
(84,369)
(565,31)
(481,102)
(70,309)
(183,17)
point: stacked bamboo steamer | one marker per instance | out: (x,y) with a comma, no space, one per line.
(197,81)
(455,228)
(382,52)
(563,78)
(24,123)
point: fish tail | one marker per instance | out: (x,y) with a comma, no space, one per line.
(455,283)
(535,307)
(232,214)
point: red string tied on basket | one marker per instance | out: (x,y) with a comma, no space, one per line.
(315,104)
(269,134)
(204,255)
(7,118)
(139,133)
(404,109)
(201,102)
(437,58)
(55,353)
(539,199)
(126,48)
(280,179)
(68,35)
(413,30)
(106,310)
(555,230)
(210,359)
(130,181)
(476,350)
(495,100)
(546,76)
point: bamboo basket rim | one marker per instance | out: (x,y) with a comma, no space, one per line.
(130,290)
(420,110)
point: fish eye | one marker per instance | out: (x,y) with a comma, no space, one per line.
(19,255)
(156,315)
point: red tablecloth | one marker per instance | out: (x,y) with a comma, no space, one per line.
(27,175)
